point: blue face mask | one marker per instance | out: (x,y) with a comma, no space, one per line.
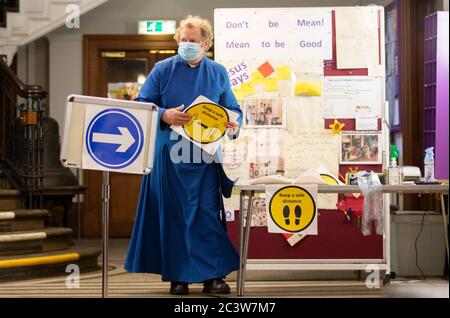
(189,51)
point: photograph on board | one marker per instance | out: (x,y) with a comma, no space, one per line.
(258,210)
(360,148)
(264,112)
(265,166)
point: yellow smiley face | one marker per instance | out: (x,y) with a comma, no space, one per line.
(207,124)
(292,208)
(330,180)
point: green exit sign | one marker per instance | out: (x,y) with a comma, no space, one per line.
(157,27)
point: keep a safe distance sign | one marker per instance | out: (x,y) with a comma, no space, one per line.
(207,124)
(292,209)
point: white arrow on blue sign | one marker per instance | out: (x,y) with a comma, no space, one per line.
(124,139)
(114,138)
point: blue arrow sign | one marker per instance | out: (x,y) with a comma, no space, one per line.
(114,138)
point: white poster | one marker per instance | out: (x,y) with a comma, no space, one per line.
(357,38)
(275,33)
(291,209)
(352,96)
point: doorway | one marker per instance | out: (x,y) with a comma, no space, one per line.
(116,66)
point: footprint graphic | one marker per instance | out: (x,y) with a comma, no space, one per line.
(286,213)
(298,214)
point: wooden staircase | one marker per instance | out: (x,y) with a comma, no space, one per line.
(28,249)
(28,246)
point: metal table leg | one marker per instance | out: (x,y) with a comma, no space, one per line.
(444,220)
(248,220)
(241,240)
(387,233)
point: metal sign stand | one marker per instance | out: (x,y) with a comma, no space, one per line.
(105,213)
(129,118)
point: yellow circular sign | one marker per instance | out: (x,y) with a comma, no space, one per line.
(207,124)
(292,208)
(330,180)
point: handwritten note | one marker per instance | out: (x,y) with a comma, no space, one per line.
(308,149)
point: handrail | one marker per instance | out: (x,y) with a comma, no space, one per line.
(22,89)
(25,119)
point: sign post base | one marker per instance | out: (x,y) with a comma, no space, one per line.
(105,214)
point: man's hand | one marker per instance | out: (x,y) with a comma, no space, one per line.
(232,124)
(174,116)
(234,127)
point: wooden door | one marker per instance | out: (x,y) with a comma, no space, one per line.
(114,65)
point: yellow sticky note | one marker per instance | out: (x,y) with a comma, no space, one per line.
(270,84)
(247,89)
(256,78)
(238,93)
(284,72)
(308,89)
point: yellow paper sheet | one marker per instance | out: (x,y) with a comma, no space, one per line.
(247,89)
(284,73)
(308,89)
(256,78)
(238,94)
(270,85)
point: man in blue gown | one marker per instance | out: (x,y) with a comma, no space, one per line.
(179,229)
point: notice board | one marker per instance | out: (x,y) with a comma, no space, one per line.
(310,82)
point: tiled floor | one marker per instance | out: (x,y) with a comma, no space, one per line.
(259,283)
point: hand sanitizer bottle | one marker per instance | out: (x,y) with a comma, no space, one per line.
(394,171)
(429,164)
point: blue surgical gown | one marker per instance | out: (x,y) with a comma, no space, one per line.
(179,229)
